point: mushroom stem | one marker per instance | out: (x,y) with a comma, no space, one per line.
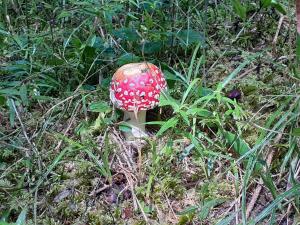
(137,123)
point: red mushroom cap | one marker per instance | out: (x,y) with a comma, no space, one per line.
(137,86)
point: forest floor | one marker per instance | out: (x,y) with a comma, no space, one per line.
(225,145)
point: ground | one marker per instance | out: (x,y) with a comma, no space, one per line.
(224,148)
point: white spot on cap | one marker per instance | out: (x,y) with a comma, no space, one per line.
(137,92)
(153,103)
(125,92)
(131,85)
(119,89)
(151,81)
(157,87)
(125,81)
(131,93)
(156,96)
(142,83)
(142,93)
(150,94)
(156,71)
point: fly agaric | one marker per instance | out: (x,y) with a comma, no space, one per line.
(135,88)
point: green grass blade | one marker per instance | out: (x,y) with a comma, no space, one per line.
(267,211)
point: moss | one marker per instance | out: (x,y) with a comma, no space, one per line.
(216,190)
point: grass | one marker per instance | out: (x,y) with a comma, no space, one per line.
(211,158)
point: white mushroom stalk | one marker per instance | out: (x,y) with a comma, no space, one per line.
(135,88)
(137,123)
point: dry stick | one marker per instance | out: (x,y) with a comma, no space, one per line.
(28,153)
(95,192)
(141,208)
(129,180)
(246,73)
(170,206)
(282,17)
(126,154)
(259,186)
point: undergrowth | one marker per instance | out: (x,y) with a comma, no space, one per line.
(224,143)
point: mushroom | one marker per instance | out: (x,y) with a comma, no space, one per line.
(135,88)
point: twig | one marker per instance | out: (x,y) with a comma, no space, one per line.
(141,208)
(282,17)
(170,206)
(28,153)
(95,192)
(245,73)
(125,153)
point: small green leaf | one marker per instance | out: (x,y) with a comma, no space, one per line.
(199,112)
(9,92)
(152,47)
(127,34)
(239,9)
(127,58)
(125,127)
(100,107)
(296,131)
(238,144)
(279,7)
(2,100)
(266,3)
(23,95)
(5,223)
(64,14)
(168,124)
(188,37)
(191,209)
